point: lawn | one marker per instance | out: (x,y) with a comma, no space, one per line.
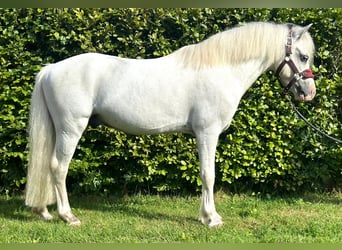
(152,218)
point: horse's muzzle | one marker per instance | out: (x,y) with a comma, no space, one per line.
(306,93)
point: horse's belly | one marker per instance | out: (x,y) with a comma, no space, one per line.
(139,122)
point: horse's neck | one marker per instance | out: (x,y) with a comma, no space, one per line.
(245,74)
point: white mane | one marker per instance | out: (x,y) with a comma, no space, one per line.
(237,45)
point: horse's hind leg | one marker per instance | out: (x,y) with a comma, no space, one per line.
(66,142)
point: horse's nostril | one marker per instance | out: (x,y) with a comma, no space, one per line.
(300,91)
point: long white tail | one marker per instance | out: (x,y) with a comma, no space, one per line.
(40,190)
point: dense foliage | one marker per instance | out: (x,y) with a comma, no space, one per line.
(267,148)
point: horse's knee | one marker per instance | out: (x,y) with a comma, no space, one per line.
(208,178)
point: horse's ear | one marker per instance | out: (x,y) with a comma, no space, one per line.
(299,31)
(308,26)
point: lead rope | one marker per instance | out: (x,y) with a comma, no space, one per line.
(310,124)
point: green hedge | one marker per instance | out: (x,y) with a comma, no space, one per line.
(266,149)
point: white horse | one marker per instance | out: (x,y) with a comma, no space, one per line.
(194,90)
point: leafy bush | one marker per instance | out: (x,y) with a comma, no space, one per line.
(267,148)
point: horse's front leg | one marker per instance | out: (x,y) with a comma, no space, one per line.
(207,146)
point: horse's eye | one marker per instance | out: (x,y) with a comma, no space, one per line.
(304,58)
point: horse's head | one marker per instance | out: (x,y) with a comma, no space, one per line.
(294,71)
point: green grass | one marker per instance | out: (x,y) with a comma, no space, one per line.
(310,218)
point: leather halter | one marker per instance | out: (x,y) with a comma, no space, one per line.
(305,74)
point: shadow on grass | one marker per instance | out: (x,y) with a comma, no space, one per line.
(14,208)
(137,207)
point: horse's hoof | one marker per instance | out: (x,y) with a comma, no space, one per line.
(217,223)
(43,213)
(215,220)
(75,223)
(71,219)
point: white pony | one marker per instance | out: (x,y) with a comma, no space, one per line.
(194,90)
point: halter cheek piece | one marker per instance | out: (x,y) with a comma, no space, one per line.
(307,73)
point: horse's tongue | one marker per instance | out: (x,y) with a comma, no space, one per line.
(308,73)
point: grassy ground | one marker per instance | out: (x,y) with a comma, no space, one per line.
(310,218)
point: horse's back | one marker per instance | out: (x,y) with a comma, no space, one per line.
(137,96)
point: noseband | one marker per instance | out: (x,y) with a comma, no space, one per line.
(305,74)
